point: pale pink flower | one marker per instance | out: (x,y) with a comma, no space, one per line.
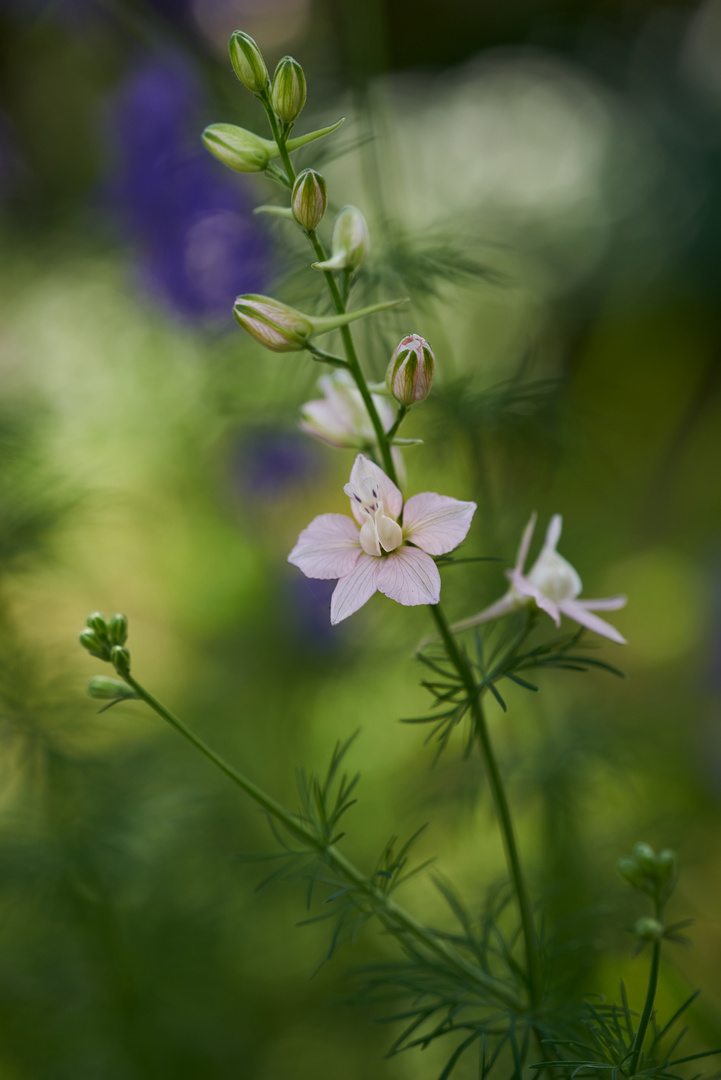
(341,419)
(553,584)
(375,552)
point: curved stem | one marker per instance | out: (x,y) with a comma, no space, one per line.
(647,1009)
(393,917)
(500,802)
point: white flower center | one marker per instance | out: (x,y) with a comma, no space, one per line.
(555,577)
(379,532)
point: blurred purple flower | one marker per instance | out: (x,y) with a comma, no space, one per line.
(266,464)
(197,243)
(305,613)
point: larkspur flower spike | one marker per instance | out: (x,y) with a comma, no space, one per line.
(374,552)
(553,585)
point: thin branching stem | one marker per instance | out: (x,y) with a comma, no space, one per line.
(393,917)
(354,367)
(500,801)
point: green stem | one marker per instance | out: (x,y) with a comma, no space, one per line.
(400,416)
(500,802)
(393,917)
(339,305)
(647,1008)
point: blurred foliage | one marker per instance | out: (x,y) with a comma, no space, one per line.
(149,462)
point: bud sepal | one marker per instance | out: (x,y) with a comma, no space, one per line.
(245,152)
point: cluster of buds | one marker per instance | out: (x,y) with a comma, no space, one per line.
(410,372)
(287,92)
(105,638)
(647,871)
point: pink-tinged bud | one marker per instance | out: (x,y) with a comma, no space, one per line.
(349,243)
(289,90)
(275,325)
(248,63)
(309,199)
(410,372)
(237,148)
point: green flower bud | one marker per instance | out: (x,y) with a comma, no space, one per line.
(289,90)
(105,689)
(275,325)
(95,646)
(410,372)
(666,864)
(248,63)
(648,929)
(645,856)
(237,148)
(349,242)
(118,629)
(632,872)
(309,199)
(282,328)
(97,623)
(121,659)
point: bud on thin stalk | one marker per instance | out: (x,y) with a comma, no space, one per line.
(121,659)
(289,90)
(237,148)
(309,199)
(118,629)
(349,242)
(410,372)
(282,328)
(105,689)
(248,63)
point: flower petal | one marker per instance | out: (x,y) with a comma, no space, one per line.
(526,542)
(328,548)
(437,523)
(575,610)
(353,590)
(526,588)
(504,606)
(611,603)
(364,468)
(410,577)
(553,533)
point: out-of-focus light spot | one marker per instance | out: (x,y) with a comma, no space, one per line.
(267,464)
(667,612)
(700,60)
(273,23)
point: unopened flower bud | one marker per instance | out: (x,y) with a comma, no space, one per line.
(648,929)
(94,644)
(666,864)
(248,63)
(121,659)
(283,329)
(237,148)
(275,325)
(349,242)
(106,689)
(288,93)
(309,198)
(632,872)
(646,859)
(97,623)
(410,372)
(118,629)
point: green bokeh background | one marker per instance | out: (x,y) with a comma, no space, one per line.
(578,349)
